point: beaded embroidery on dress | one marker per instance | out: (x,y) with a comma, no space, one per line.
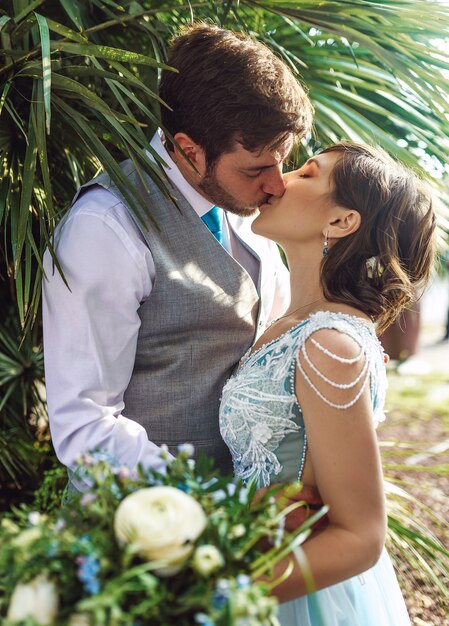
(262,424)
(259,406)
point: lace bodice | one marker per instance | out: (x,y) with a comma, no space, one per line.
(260,417)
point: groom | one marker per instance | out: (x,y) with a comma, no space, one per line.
(156,318)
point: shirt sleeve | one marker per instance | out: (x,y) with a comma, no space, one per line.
(90,335)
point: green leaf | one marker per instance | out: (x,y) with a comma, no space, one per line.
(27,10)
(65,32)
(29,168)
(4,19)
(105,52)
(72,9)
(64,83)
(9,106)
(83,129)
(6,88)
(46,66)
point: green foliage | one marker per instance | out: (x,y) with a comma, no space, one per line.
(21,373)
(414,543)
(415,466)
(420,397)
(71,102)
(49,496)
(79,552)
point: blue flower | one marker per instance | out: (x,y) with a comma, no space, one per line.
(219,600)
(221,593)
(89,566)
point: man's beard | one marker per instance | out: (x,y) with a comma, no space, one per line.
(211,188)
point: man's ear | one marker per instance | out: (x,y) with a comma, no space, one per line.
(344,222)
(188,153)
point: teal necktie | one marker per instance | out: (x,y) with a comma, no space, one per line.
(214,221)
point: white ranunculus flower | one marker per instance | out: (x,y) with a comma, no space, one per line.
(37,599)
(160,524)
(207,559)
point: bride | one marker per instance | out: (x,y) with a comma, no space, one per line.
(358,233)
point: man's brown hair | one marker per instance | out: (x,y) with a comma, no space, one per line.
(230,88)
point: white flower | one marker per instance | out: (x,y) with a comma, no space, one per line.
(34,518)
(207,559)
(160,524)
(37,599)
(219,495)
(262,433)
(164,452)
(78,619)
(237,531)
(187,448)
(373,265)
(243,581)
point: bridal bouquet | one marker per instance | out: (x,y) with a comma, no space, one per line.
(176,548)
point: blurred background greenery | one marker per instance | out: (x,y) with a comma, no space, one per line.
(78,82)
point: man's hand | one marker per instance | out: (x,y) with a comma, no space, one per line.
(310,496)
(313,503)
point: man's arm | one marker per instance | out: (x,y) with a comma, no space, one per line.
(90,332)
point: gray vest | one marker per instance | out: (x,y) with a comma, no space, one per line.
(199,320)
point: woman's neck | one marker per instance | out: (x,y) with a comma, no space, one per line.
(305,284)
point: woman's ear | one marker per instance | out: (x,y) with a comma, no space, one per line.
(189,153)
(344,222)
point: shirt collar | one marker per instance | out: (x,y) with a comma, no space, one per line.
(201,204)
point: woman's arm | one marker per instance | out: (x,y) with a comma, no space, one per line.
(343,462)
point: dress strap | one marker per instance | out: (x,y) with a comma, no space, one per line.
(371,369)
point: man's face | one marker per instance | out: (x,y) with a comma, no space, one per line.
(240,181)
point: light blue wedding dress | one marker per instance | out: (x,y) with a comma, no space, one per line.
(262,424)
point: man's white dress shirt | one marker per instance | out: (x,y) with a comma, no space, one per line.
(91,330)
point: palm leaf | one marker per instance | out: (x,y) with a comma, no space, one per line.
(104,52)
(46,66)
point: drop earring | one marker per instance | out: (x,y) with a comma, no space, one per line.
(326,245)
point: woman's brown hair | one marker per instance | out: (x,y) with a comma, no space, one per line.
(379,268)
